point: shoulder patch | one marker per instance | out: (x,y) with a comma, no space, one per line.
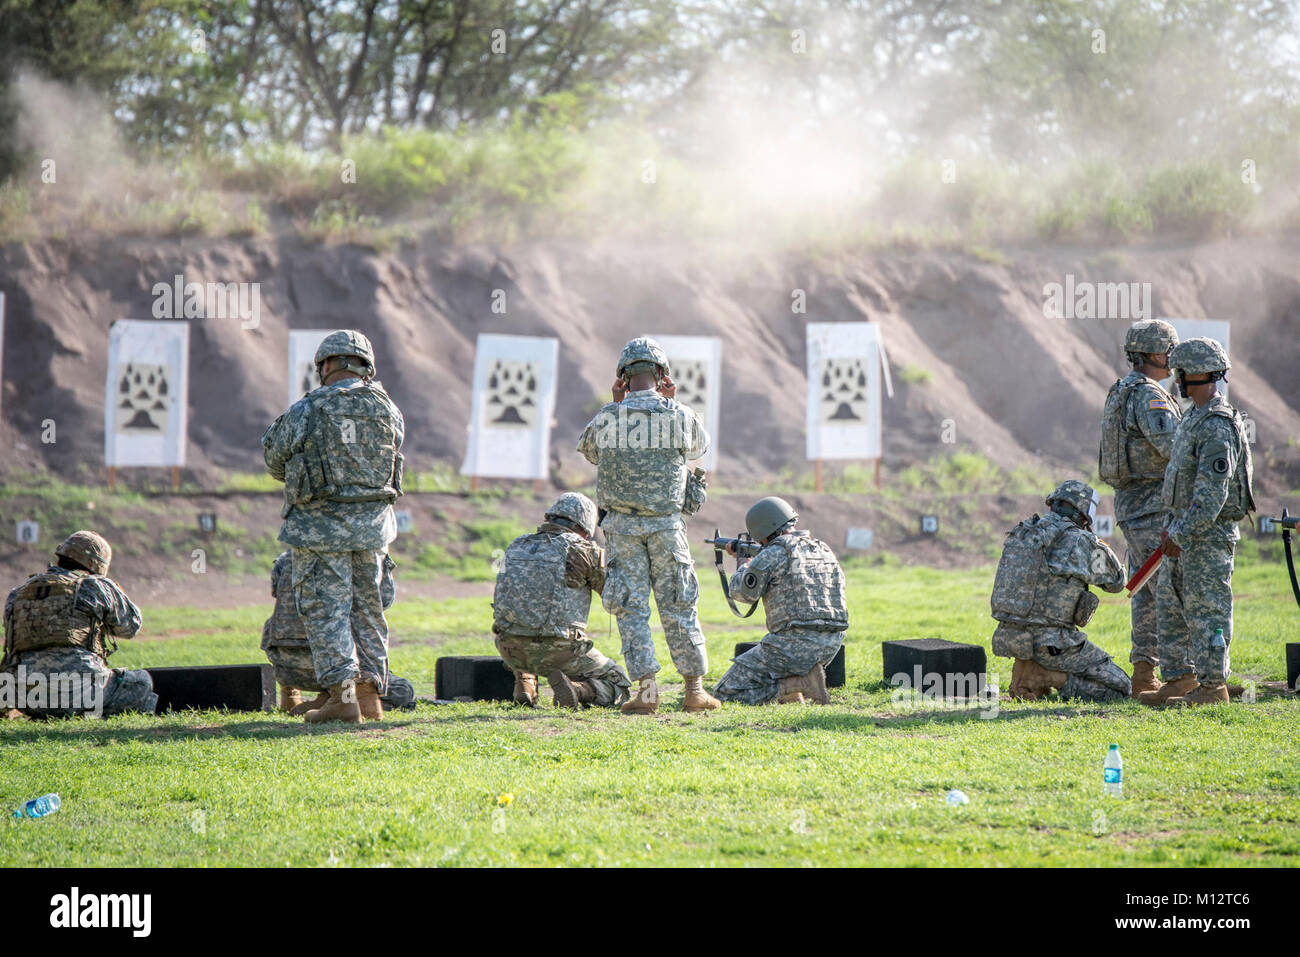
(1157,404)
(1220,465)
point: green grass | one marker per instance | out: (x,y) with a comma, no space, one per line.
(859,782)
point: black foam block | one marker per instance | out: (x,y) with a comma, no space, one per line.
(476,677)
(1292,664)
(934,656)
(233,687)
(834,670)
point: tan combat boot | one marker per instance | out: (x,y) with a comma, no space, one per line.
(525,689)
(1170,689)
(1036,681)
(790,690)
(1016,690)
(372,709)
(1144,678)
(317,702)
(646,699)
(341,706)
(697,699)
(571,693)
(1201,695)
(290,698)
(814,685)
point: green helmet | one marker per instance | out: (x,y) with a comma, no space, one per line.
(1199,355)
(577,508)
(642,351)
(1150,336)
(348,343)
(87,549)
(1081,495)
(768,516)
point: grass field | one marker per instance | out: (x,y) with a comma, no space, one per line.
(859,783)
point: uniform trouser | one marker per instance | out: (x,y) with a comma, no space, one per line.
(338,596)
(574,656)
(1141,542)
(119,690)
(755,676)
(1091,675)
(659,561)
(294,669)
(1193,599)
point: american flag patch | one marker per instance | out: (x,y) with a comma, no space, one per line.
(1157,404)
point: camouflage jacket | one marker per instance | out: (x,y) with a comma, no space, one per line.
(1141,427)
(544,587)
(97,598)
(800,581)
(1207,487)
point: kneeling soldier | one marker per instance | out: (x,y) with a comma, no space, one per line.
(540,606)
(1041,598)
(55,627)
(802,588)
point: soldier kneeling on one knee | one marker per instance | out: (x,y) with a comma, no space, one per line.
(540,606)
(60,627)
(1041,599)
(802,588)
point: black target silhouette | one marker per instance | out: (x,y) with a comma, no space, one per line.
(692,381)
(512,393)
(144,394)
(843,390)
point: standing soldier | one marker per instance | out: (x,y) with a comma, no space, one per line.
(1137,432)
(540,606)
(337,450)
(802,587)
(1041,600)
(57,623)
(1207,490)
(640,444)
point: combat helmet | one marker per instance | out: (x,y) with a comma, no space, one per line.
(87,549)
(577,509)
(642,351)
(1150,337)
(347,343)
(1200,355)
(768,516)
(1079,495)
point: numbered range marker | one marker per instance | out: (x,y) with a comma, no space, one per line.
(1104,526)
(860,539)
(404,524)
(207,522)
(28,533)
(929,524)
(1266,525)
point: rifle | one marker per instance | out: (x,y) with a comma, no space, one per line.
(1286,525)
(746,548)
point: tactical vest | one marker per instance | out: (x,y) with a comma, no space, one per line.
(45,615)
(1180,476)
(810,593)
(531,598)
(641,461)
(350,453)
(1126,457)
(1025,592)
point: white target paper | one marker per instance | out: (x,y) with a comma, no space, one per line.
(145,398)
(843,417)
(697,368)
(302,365)
(1217,329)
(513,404)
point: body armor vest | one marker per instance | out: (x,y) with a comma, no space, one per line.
(1180,477)
(45,615)
(641,467)
(1127,457)
(810,593)
(531,599)
(1025,592)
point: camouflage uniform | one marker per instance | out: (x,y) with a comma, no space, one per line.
(285,641)
(802,588)
(1041,597)
(337,451)
(1207,490)
(68,632)
(640,447)
(1139,422)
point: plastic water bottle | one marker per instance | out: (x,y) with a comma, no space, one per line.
(957,798)
(1219,651)
(42,806)
(1112,774)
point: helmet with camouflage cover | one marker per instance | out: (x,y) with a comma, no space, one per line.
(768,516)
(1200,355)
(350,344)
(87,549)
(639,352)
(1150,337)
(576,508)
(1080,495)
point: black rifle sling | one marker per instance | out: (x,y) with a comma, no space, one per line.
(718,553)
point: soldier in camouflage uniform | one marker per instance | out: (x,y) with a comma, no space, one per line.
(338,452)
(540,606)
(285,642)
(1137,433)
(802,588)
(62,622)
(640,444)
(1041,599)
(1207,490)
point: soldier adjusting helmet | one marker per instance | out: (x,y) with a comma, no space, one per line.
(576,509)
(349,344)
(768,516)
(87,549)
(1081,497)
(642,355)
(1149,337)
(1198,356)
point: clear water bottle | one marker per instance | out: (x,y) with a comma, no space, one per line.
(1219,651)
(42,806)
(1112,774)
